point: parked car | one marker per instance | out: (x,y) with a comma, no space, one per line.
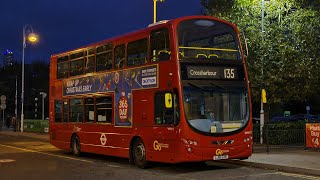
(305,117)
(280,119)
(297,117)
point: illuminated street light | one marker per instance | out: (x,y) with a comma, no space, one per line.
(31,37)
(155,9)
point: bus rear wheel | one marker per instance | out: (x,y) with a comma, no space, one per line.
(139,154)
(75,145)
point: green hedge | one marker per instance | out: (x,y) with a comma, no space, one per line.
(37,126)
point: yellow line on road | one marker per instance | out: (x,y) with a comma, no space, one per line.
(252,175)
(28,150)
(299,176)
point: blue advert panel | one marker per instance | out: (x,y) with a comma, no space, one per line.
(121,83)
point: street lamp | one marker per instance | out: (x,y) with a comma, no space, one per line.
(263,92)
(44,95)
(31,37)
(36,107)
(155,9)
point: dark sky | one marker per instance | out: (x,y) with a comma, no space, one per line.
(67,24)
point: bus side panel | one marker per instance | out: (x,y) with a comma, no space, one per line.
(142,108)
(160,140)
(105,139)
(59,136)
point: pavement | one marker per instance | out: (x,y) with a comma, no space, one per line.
(301,161)
(292,160)
(39,136)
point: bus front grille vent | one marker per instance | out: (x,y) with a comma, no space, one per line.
(222,142)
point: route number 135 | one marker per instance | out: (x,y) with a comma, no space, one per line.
(229,73)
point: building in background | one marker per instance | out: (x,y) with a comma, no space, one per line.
(8,58)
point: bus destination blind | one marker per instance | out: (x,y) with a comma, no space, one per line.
(207,72)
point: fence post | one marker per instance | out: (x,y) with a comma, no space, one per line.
(267,137)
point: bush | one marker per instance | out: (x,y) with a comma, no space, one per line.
(37,126)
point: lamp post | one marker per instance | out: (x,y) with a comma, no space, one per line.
(44,95)
(31,37)
(36,108)
(16,128)
(263,93)
(155,9)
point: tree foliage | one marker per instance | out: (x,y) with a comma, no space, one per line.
(287,51)
(36,80)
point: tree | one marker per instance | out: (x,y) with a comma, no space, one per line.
(36,80)
(8,77)
(288,49)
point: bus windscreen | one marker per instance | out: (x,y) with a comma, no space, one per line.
(216,108)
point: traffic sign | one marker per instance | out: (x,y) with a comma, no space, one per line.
(3,102)
(3,97)
(3,106)
(308,108)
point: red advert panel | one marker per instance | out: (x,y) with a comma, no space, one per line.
(312,135)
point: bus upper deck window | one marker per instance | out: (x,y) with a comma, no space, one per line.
(90,61)
(160,45)
(137,52)
(104,57)
(208,40)
(63,67)
(76,63)
(119,56)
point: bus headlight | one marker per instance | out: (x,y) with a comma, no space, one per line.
(189,142)
(189,149)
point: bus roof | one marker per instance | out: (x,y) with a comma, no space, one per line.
(150,27)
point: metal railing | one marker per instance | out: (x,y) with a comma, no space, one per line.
(275,138)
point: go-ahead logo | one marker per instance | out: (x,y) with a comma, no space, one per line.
(158,146)
(220,152)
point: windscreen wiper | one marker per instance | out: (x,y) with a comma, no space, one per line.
(196,86)
(217,86)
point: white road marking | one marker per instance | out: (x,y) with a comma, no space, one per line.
(110,165)
(6,160)
(65,157)
(28,150)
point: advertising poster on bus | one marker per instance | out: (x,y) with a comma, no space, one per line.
(125,82)
(121,83)
(312,135)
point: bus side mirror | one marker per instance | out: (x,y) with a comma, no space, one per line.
(168,100)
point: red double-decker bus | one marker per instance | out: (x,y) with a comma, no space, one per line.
(176,91)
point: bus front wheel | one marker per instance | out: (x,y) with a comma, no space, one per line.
(139,154)
(75,145)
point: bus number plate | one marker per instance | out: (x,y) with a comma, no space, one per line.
(220,157)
